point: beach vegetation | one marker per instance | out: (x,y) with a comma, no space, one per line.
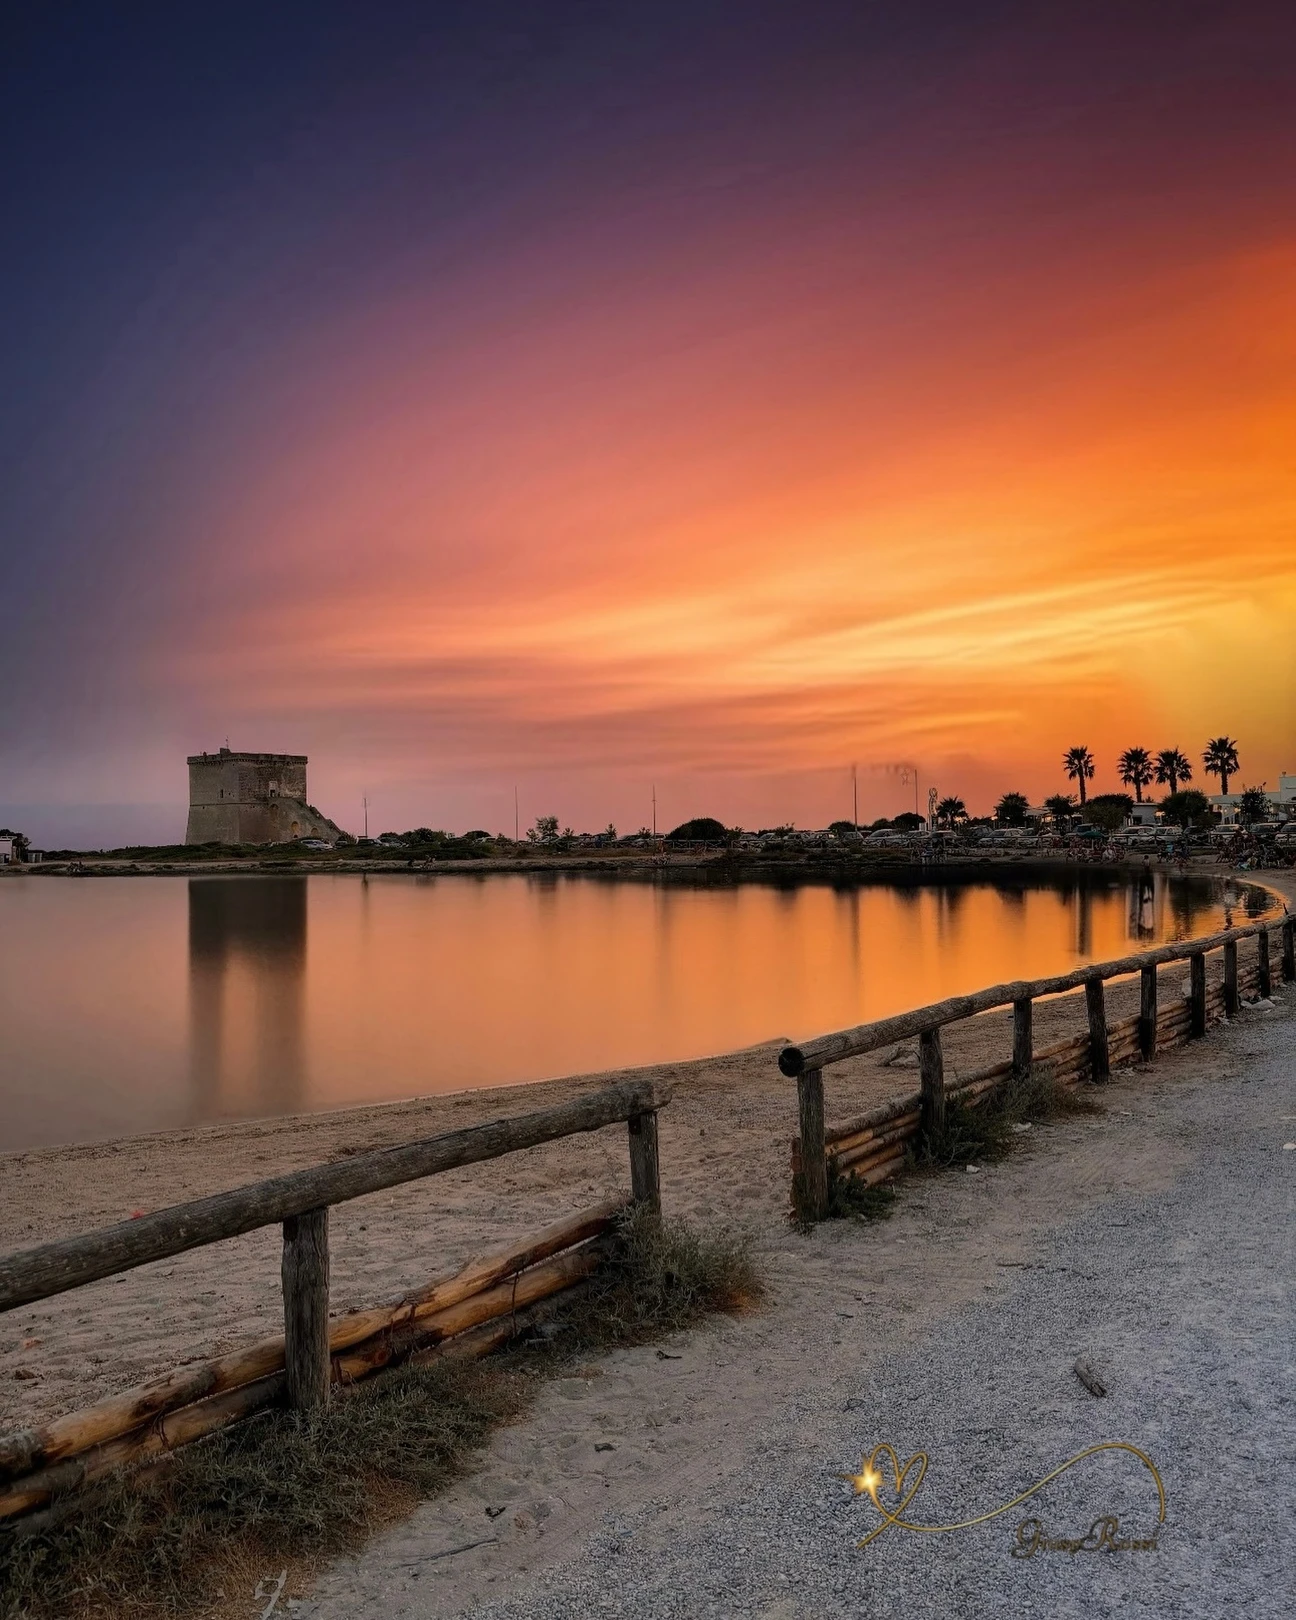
(1173,767)
(1136,770)
(1254,805)
(1187,808)
(1220,758)
(983,1130)
(1109,810)
(1078,762)
(701,830)
(1061,806)
(1012,809)
(190,1536)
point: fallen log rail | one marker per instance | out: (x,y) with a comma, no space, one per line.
(468,1312)
(873,1146)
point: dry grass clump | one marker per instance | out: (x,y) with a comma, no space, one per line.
(849,1199)
(287,1490)
(661,1277)
(984,1131)
(282,1487)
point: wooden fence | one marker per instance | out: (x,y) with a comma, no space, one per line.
(873,1145)
(475,1309)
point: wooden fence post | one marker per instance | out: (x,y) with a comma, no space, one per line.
(1289,949)
(1262,962)
(814,1160)
(1197,993)
(1232,1001)
(1099,1053)
(1023,1038)
(931,1064)
(306,1307)
(1148,1013)
(645,1177)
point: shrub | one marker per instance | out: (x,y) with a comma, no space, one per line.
(701,830)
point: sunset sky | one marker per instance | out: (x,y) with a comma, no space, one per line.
(584,397)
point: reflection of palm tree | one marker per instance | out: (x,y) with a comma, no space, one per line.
(951,810)
(1173,767)
(1079,767)
(1135,769)
(1221,759)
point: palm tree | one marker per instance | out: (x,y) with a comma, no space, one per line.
(1173,766)
(1135,770)
(951,810)
(1011,810)
(1221,759)
(1079,767)
(1061,806)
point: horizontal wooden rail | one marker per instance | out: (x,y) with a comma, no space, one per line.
(490,1293)
(50,1442)
(848,1043)
(71,1262)
(873,1146)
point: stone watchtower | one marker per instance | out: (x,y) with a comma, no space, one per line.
(251,799)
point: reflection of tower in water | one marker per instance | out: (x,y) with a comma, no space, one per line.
(247,975)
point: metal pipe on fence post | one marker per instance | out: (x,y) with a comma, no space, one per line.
(1197,993)
(931,1064)
(1099,1052)
(306,1306)
(1289,949)
(1262,962)
(1232,1001)
(1023,1038)
(814,1159)
(1148,1013)
(645,1174)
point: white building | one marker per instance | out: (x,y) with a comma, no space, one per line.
(1283,801)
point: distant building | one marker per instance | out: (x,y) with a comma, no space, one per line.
(251,799)
(15,850)
(1284,802)
(1142,815)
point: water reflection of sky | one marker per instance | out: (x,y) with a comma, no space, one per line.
(139,1004)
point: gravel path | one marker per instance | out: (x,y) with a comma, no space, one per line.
(1156,1239)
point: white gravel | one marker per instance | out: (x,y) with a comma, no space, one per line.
(1157,1241)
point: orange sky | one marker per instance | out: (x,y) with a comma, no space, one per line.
(729,554)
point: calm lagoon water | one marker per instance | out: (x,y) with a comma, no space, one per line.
(138,1004)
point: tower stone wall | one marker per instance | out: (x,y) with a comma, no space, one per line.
(251,799)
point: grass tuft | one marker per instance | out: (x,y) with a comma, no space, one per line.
(983,1131)
(849,1199)
(663,1276)
(281,1488)
(180,1537)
